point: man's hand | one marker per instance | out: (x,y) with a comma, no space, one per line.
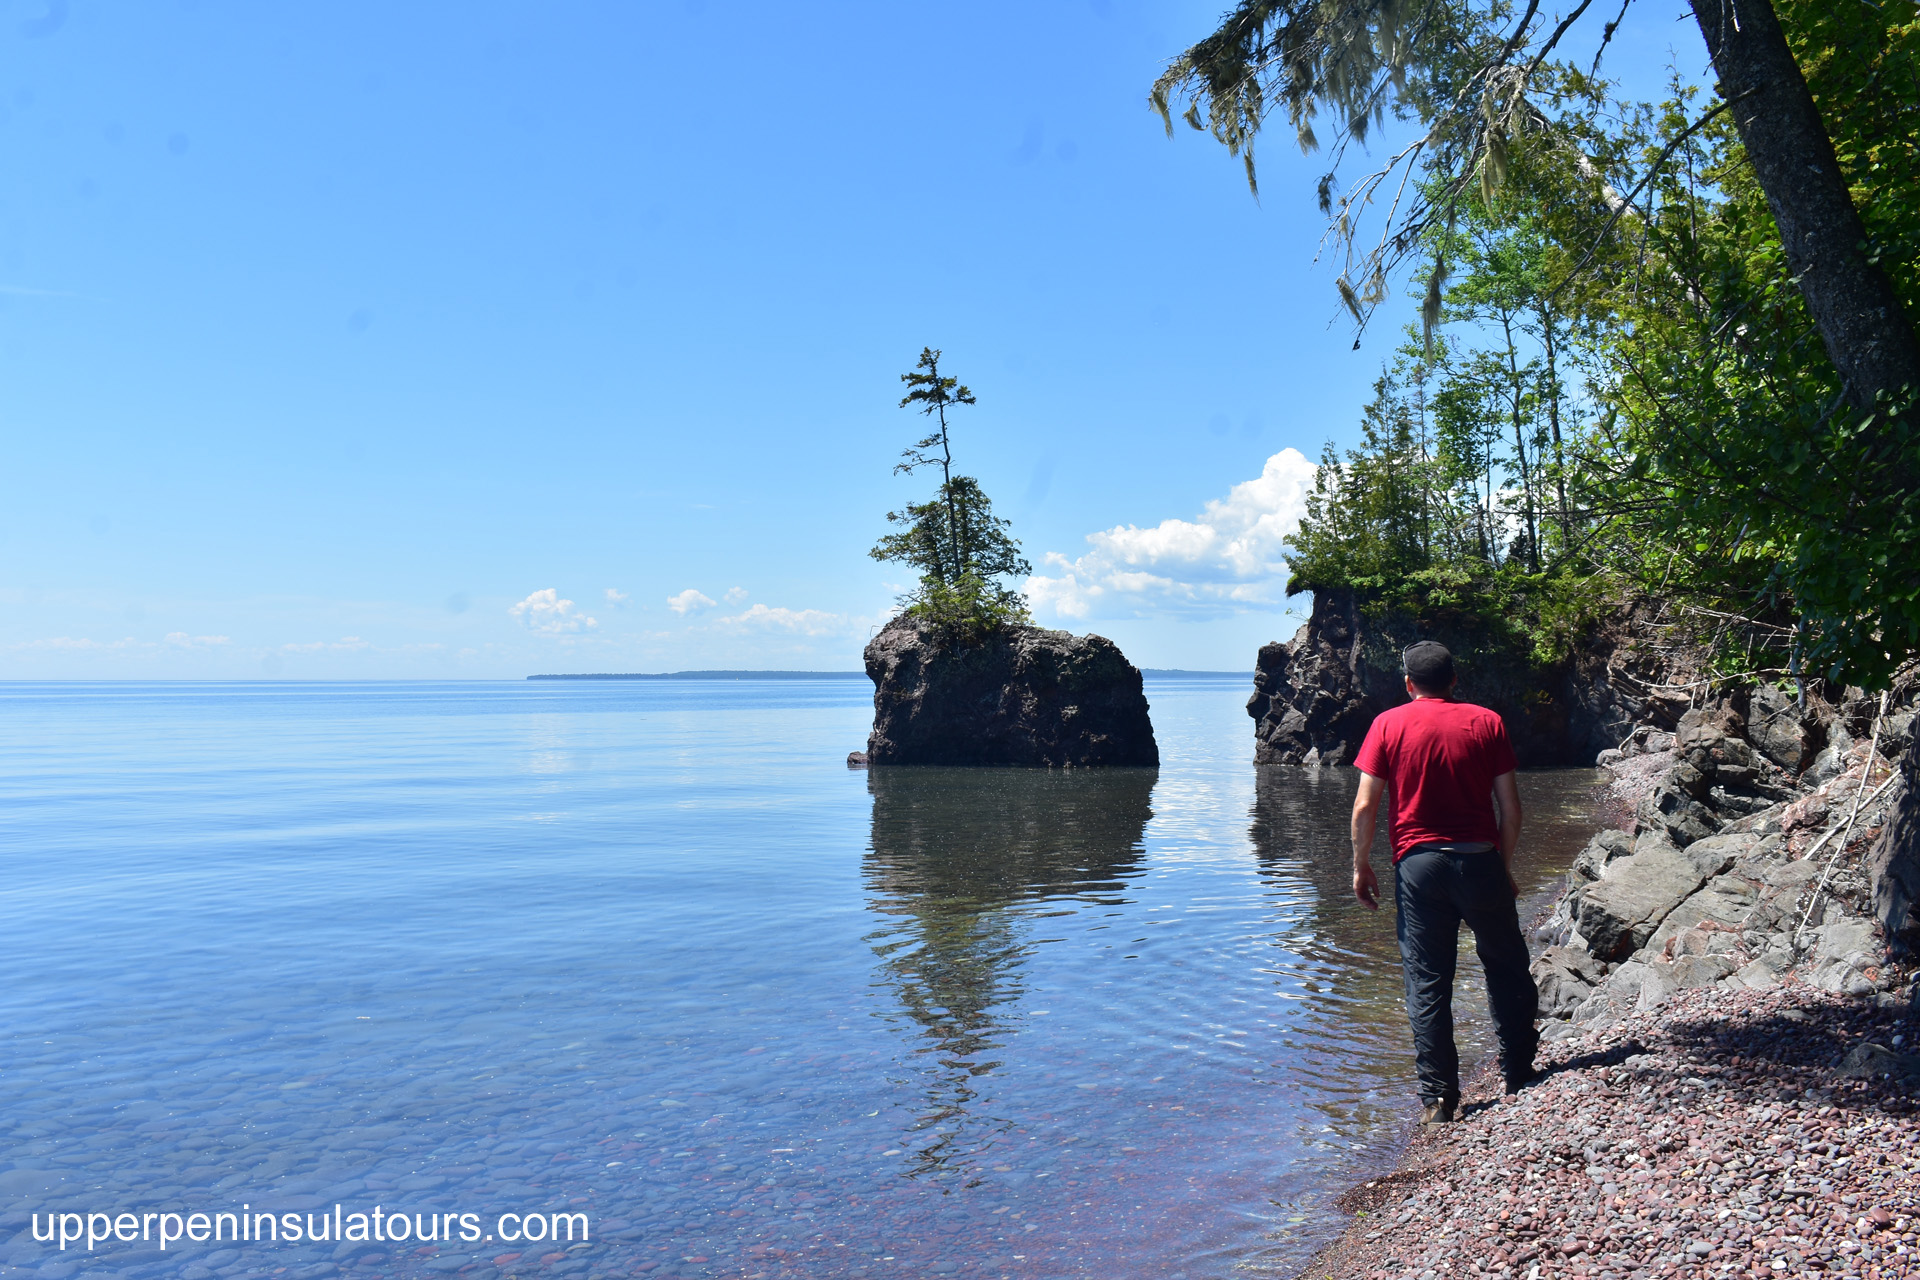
(1513,884)
(1366,886)
(1366,814)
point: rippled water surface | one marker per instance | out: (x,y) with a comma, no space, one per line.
(650,952)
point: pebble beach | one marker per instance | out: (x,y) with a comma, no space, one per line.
(1727,1134)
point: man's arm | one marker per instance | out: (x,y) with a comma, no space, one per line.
(1366,817)
(1506,790)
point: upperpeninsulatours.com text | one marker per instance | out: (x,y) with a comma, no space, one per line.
(250,1227)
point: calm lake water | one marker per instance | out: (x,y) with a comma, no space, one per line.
(650,952)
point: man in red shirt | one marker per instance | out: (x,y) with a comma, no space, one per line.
(1444,764)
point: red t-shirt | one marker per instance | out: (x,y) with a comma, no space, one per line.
(1439,760)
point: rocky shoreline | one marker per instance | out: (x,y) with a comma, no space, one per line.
(1728,1026)
(1315,696)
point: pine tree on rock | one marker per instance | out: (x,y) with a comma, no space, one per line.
(959,548)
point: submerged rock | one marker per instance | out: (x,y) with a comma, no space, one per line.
(1020,696)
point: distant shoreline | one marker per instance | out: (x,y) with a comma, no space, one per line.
(1167,673)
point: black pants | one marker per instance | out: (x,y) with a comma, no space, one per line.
(1434,892)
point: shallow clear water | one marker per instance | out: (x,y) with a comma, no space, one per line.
(651,952)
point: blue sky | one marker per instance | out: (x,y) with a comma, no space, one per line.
(467,340)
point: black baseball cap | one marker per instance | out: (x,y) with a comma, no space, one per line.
(1429,665)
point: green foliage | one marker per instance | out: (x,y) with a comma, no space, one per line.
(932,393)
(1384,512)
(1460,501)
(953,541)
(970,608)
(1733,426)
(1617,388)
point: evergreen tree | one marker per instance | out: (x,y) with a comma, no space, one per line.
(959,548)
(1677,353)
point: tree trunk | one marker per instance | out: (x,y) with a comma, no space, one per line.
(1867,333)
(1516,393)
(1553,421)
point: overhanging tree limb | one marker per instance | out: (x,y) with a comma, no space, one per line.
(1626,202)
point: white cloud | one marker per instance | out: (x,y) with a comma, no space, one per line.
(345,644)
(546,613)
(736,594)
(1227,559)
(811,622)
(615,595)
(185,641)
(689,601)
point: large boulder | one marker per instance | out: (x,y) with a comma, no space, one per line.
(1716,854)
(1724,904)
(1018,696)
(1566,977)
(1620,911)
(1847,956)
(1783,733)
(1872,1061)
(1669,809)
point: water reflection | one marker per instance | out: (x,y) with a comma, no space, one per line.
(1342,961)
(958,860)
(1338,959)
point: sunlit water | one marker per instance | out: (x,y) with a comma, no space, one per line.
(651,952)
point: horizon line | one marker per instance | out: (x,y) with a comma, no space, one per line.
(744,674)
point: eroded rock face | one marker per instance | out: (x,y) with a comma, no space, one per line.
(1845,956)
(1716,912)
(1023,696)
(1619,912)
(1894,863)
(1669,808)
(1591,862)
(1315,697)
(1767,898)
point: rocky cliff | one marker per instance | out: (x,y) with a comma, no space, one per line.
(1315,697)
(1758,857)
(1893,866)
(1020,696)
